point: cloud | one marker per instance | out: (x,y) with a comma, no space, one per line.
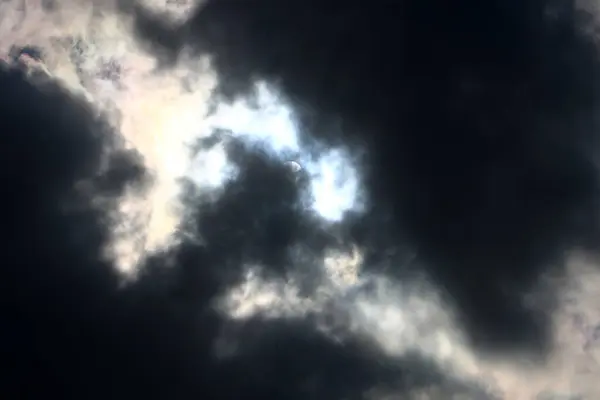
(469,132)
(447,170)
(73,328)
(477,125)
(63,169)
(270,125)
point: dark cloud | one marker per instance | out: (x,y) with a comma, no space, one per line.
(56,288)
(479,120)
(479,126)
(71,330)
(30,51)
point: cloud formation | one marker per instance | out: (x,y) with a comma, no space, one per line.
(422,251)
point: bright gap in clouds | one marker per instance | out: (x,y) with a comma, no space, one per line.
(334,177)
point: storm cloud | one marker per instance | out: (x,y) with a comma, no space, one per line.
(448,173)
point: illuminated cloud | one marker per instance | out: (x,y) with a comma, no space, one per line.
(268,124)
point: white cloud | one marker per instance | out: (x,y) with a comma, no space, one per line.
(335,185)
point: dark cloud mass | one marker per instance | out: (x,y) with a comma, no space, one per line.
(70,332)
(479,120)
(479,124)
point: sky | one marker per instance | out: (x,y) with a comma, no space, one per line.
(439,240)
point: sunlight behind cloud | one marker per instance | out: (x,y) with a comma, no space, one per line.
(161,118)
(269,124)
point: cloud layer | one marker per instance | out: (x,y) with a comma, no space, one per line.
(438,240)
